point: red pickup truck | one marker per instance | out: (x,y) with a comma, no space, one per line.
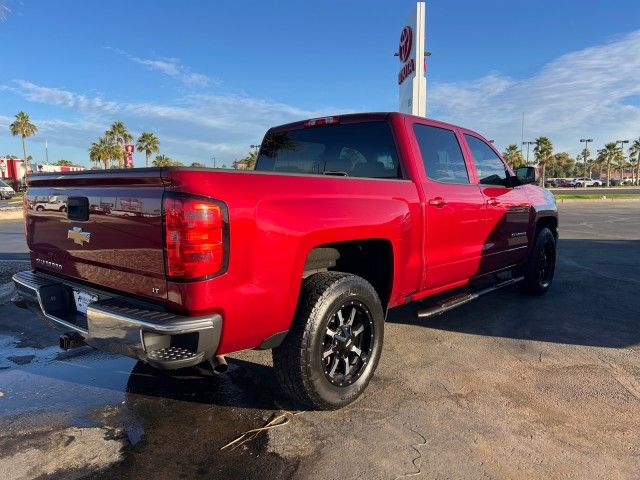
(343,218)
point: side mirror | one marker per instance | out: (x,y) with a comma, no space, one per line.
(527,175)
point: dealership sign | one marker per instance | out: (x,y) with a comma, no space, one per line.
(411,50)
(128,159)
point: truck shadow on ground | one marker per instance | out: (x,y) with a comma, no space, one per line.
(244,385)
(593,301)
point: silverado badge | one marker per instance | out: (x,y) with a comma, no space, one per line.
(78,236)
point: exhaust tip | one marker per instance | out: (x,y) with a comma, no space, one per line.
(71,340)
(219,364)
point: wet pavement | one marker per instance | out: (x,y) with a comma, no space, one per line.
(505,387)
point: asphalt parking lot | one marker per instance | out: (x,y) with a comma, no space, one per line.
(505,387)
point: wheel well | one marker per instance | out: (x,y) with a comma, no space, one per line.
(549,222)
(370,259)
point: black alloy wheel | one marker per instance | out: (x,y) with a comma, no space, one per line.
(541,264)
(348,341)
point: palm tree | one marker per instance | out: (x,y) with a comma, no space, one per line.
(148,143)
(95,154)
(585,159)
(608,155)
(119,134)
(543,152)
(164,161)
(22,126)
(513,156)
(634,151)
(104,150)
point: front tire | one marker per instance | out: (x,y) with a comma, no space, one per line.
(334,344)
(540,267)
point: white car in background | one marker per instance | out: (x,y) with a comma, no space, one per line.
(6,192)
(586,182)
(628,181)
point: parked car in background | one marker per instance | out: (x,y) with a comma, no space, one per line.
(563,183)
(613,182)
(6,192)
(628,181)
(586,182)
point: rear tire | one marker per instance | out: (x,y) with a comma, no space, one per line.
(540,267)
(332,349)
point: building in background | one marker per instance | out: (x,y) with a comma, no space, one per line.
(12,170)
(59,168)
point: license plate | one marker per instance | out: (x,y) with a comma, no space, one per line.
(83,299)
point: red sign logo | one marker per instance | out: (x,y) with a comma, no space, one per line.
(406,42)
(128,148)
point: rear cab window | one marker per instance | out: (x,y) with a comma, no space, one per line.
(441,154)
(364,149)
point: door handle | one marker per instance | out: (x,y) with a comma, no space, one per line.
(493,202)
(437,202)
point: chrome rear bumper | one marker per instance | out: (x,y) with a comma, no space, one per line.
(121,324)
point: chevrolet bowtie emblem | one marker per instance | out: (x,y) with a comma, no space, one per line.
(78,236)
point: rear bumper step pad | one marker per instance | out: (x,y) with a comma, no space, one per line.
(120,325)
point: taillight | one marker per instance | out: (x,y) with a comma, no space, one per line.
(195,237)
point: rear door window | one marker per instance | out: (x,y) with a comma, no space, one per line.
(365,149)
(491,169)
(441,154)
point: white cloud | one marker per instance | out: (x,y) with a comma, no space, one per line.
(62,98)
(191,129)
(591,92)
(171,67)
(579,94)
(4,11)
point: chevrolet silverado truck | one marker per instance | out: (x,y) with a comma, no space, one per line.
(344,218)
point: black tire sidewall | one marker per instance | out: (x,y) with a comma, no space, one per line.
(345,290)
(532,282)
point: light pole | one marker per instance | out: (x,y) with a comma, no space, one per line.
(255,147)
(213,159)
(527,143)
(584,159)
(621,142)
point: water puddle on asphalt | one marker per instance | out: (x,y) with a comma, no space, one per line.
(169,422)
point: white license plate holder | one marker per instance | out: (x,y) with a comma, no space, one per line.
(82,300)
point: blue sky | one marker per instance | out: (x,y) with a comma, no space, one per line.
(211,77)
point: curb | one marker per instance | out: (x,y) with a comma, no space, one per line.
(11,213)
(603,200)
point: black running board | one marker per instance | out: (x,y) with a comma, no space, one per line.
(452,302)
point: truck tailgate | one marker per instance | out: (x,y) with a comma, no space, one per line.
(103,228)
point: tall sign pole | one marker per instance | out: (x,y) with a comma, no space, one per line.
(412,82)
